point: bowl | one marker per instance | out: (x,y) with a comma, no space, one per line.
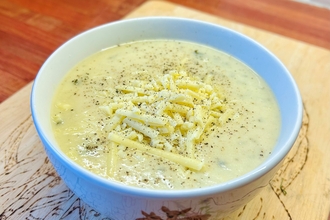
(120,202)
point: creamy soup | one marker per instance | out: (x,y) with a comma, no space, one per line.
(165,114)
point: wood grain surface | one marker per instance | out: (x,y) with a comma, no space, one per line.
(31,30)
(289,18)
(30,188)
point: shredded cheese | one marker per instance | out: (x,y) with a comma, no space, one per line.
(187,162)
(167,116)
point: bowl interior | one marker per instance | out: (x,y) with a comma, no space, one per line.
(233,43)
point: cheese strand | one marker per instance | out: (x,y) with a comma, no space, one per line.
(176,158)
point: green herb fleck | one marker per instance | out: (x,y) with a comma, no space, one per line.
(75,81)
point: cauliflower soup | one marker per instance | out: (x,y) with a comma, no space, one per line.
(165,114)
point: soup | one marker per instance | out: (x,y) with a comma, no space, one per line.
(165,114)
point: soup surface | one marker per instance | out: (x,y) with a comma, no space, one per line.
(165,114)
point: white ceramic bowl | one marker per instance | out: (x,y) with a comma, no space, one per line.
(121,202)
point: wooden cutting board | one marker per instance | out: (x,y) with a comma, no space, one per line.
(30,188)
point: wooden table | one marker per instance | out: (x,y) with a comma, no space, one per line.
(30,30)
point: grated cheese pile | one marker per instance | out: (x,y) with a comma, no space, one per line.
(166,117)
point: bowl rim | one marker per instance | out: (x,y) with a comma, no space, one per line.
(253,175)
